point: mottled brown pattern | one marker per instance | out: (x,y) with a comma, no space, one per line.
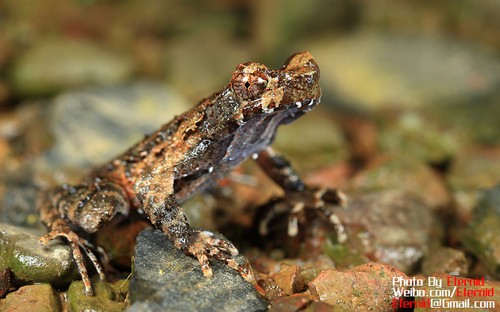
(186,155)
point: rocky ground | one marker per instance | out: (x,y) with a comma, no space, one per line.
(407,128)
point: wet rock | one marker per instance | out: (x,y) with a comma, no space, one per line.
(471,171)
(289,279)
(165,279)
(310,270)
(91,126)
(52,65)
(367,287)
(482,237)
(107,297)
(32,298)
(394,70)
(271,289)
(31,262)
(299,302)
(18,188)
(18,193)
(286,275)
(445,260)
(391,215)
(389,226)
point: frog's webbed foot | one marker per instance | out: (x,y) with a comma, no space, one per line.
(76,245)
(295,204)
(204,244)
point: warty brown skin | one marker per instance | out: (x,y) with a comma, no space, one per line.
(185,156)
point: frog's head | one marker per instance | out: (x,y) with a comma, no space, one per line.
(262,91)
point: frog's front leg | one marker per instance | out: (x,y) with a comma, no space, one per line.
(298,196)
(156,194)
(88,206)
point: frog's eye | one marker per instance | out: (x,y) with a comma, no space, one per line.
(248,86)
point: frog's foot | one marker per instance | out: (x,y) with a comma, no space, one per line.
(76,243)
(204,244)
(294,205)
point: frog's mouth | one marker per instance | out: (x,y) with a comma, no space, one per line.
(307,104)
(295,110)
(300,107)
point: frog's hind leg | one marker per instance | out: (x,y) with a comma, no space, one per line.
(298,196)
(87,206)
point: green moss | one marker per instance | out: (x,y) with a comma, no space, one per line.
(107,297)
(341,254)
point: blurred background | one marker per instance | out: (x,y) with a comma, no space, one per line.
(408,125)
(428,71)
(82,80)
(372,52)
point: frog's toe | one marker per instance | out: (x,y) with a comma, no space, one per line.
(76,245)
(245,272)
(206,245)
(224,246)
(45,239)
(205,265)
(205,242)
(231,262)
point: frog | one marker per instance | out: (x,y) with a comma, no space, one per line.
(188,155)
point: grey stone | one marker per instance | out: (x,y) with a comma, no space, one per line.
(392,213)
(393,227)
(482,236)
(91,126)
(18,194)
(31,262)
(165,279)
